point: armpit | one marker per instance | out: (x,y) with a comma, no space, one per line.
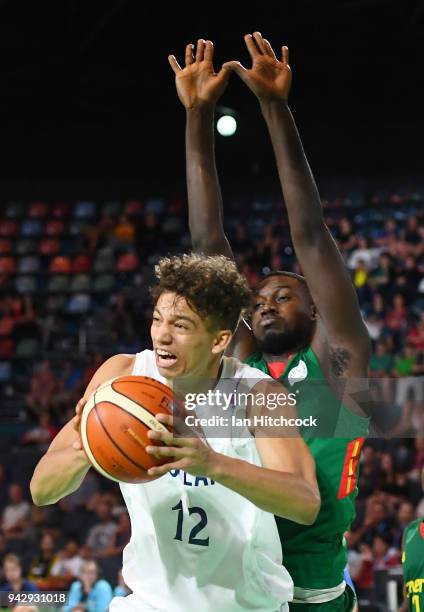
(339,360)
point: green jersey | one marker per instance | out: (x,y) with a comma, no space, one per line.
(413,565)
(315,555)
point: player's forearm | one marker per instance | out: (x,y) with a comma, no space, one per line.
(287,495)
(204,192)
(300,191)
(57,474)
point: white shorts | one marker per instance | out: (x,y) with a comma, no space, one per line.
(131,603)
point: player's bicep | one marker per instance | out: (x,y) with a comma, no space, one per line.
(290,455)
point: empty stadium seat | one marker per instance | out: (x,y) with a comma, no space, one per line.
(127,262)
(55,227)
(105,261)
(77,227)
(133,208)
(5,246)
(26,246)
(104,283)
(7,347)
(81,263)
(155,206)
(14,210)
(59,283)
(31,227)
(6,325)
(8,228)
(60,265)
(37,210)
(84,210)
(111,209)
(7,265)
(79,303)
(26,284)
(5,371)
(61,209)
(29,264)
(49,246)
(27,348)
(80,283)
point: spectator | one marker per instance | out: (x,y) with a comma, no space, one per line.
(120,538)
(68,562)
(42,434)
(381,362)
(376,522)
(42,387)
(14,582)
(89,593)
(100,536)
(16,514)
(41,565)
(405,515)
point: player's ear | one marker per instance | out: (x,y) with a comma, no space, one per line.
(221,340)
(314,312)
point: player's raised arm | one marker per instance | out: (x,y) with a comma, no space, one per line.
(63,467)
(199,87)
(327,278)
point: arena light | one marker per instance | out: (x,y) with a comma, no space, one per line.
(226,125)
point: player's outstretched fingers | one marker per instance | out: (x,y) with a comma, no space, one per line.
(189,59)
(208,53)
(268,49)
(252,47)
(200,50)
(285,54)
(257,37)
(174,64)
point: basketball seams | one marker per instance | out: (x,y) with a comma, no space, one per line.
(86,445)
(112,396)
(113,441)
(158,386)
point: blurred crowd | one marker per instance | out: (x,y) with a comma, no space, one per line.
(74,290)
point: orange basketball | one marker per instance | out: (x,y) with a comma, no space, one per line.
(115,422)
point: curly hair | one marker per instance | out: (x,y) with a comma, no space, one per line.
(211,285)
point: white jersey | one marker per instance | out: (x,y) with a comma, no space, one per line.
(197,546)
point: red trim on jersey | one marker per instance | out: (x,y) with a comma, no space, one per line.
(276,368)
(422,529)
(348,481)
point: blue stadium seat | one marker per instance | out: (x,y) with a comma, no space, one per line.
(84,210)
(31,227)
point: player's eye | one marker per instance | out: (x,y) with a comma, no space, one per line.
(283,298)
(257,305)
(181,326)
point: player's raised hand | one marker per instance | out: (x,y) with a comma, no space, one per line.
(198,83)
(76,421)
(269,77)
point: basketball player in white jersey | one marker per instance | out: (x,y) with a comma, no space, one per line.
(204,537)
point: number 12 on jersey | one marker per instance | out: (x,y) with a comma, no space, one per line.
(192,539)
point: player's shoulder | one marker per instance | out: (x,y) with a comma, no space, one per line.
(118,365)
(234,368)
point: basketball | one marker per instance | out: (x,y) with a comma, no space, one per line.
(114,426)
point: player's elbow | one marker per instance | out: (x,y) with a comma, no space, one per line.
(38,498)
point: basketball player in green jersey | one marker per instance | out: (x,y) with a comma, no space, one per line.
(413,563)
(307,331)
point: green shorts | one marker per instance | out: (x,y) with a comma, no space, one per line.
(344,603)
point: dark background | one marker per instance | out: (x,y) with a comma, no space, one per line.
(87,96)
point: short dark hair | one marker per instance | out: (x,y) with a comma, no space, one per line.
(211,285)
